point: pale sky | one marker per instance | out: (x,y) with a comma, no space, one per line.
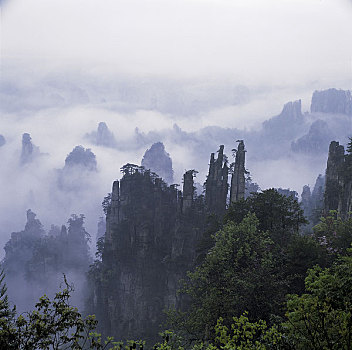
(250,41)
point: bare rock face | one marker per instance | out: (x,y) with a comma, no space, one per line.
(216,186)
(306,198)
(238,181)
(2,140)
(151,235)
(333,176)
(338,185)
(332,101)
(29,150)
(103,136)
(159,161)
(316,141)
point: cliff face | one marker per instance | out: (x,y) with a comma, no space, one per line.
(238,181)
(332,101)
(153,232)
(313,202)
(216,186)
(338,186)
(150,243)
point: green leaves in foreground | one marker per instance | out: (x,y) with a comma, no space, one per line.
(54,324)
(321,318)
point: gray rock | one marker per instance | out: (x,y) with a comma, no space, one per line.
(159,161)
(29,150)
(103,136)
(316,141)
(332,101)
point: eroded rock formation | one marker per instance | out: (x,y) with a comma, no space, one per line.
(316,141)
(332,101)
(78,172)
(29,150)
(154,235)
(81,157)
(238,181)
(338,185)
(216,185)
(103,136)
(150,242)
(159,161)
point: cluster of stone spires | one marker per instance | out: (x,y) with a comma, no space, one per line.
(216,184)
(152,239)
(338,186)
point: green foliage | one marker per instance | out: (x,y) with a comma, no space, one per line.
(246,335)
(238,274)
(53,324)
(321,318)
(302,253)
(334,233)
(7,314)
(279,215)
(241,334)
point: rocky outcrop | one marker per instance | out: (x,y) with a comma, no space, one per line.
(150,243)
(29,150)
(238,181)
(216,184)
(78,172)
(332,101)
(81,157)
(159,161)
(338,185)
(103,136)
(188,190)
(282,129)
(290,115)
(306,201)
(333,176)
(154,235)
(317,197)
(313,202)
(316,141)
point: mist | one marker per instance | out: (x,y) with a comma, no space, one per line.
(192,74)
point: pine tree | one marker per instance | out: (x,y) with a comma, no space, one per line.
(7,314)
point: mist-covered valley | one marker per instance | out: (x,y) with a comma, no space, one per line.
(133,135)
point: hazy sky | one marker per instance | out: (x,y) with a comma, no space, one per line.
(250,41)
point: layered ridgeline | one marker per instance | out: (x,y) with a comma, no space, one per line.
(153,236)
